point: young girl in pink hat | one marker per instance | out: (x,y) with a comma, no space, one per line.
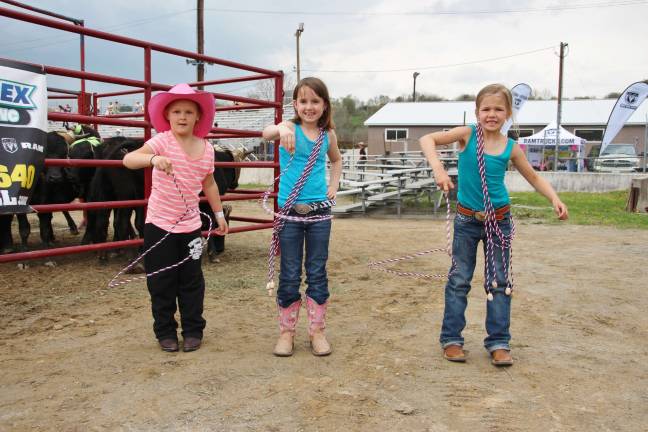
(183,165)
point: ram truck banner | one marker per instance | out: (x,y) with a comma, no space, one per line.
(23,133)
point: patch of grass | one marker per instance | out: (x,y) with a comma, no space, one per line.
(606,209)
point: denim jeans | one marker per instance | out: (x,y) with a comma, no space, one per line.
(468,231)
(292,239)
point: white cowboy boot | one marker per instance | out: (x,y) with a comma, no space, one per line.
(316,326)
(287,322)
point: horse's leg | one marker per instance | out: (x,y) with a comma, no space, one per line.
(88,235)
(120,229)
(6,241)
(84,222)
(100,232)
(71,224)
(139,221)
(46,231)
(24,228)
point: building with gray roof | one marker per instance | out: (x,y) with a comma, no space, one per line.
(397,126)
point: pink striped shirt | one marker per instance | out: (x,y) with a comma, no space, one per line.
(166,206)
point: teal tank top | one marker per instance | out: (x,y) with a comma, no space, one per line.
(315,188)
(470,193)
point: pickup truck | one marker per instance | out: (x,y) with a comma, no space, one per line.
(616,158)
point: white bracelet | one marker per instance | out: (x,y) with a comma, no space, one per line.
(220,214)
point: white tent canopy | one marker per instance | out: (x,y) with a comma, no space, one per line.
(546,139)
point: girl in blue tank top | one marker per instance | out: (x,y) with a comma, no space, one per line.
(493,108)
(305,242)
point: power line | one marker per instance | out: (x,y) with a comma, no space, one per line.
(417,68)
(432,13)
(66,39)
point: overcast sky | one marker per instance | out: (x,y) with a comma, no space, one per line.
(364,48)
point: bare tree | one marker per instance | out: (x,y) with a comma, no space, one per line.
(265,89)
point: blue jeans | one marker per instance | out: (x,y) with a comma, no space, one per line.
(315,236)
(468,231)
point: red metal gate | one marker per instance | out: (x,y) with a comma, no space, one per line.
(145,86)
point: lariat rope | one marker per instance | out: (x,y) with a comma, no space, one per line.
(282,216)
(492,229)
(381,265)
(115,282)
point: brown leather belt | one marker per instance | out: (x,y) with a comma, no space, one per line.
(481,216)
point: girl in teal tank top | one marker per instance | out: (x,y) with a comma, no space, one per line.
(469,192)
(493,108)
(305,244)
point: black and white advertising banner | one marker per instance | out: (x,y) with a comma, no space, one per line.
(627,103)
(23,133)
(521,94)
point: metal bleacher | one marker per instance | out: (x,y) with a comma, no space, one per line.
(383,181)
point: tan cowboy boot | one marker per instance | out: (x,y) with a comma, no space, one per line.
(287,322)
(501,357)
(316,326)
(454,353)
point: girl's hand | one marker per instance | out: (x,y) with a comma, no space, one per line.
(222,226)
(332,192)
(443,181)
(561,209)
(287,138)
(162,163)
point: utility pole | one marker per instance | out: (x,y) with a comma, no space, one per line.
(298,33)
(644,166)
(414,91)
(563,45)
(200,30)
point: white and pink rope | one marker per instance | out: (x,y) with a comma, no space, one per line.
(115,282)
(493,230)
(382,265)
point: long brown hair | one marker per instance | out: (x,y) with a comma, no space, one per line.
(493,89)
(318,86)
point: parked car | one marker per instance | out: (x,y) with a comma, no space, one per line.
(615,158)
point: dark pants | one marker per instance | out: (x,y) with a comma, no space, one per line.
(184,283)
(293,239)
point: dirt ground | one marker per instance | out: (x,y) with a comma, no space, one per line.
(76,355)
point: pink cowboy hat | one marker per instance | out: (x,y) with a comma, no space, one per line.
(205,101)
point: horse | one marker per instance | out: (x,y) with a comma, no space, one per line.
(226,179)
(116,184)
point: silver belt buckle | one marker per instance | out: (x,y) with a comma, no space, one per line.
(302,209)
(480,216)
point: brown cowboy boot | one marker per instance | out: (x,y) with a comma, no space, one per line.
(501,357)
(287,322)
(316,326)
(454,353)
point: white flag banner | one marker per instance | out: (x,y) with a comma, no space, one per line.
(520,93)
(627,103)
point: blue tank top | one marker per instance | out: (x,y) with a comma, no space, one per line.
(315,188)
(470,192)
